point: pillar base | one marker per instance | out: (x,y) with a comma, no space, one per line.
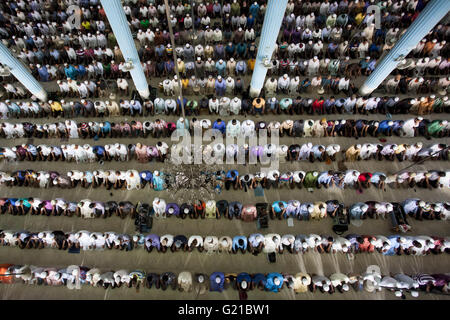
(41,95)
(144,93)
(365,90)
(254,93)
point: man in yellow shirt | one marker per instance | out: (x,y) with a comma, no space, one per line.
(251,64)
(56,108)
(86,25)
(359,18)
(258,106)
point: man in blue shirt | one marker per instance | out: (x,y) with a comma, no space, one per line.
(219,125)
(217,281)
(99,152)
(259,281)
(231,179)
(43,73)
(105,129)
(146,177)
(278,209)
(234,209)
(70,72)
(239,243)
(241,68)
(274,282)
(254,10)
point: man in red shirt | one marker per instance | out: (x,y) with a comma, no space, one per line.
(318,105)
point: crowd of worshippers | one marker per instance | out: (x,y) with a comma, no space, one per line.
(409,128)
(160,152)
(55,50)
(199,209)
(158,180)
(224,105)
(255,243)
(86,153)
(372,280)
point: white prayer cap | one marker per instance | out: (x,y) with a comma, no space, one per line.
(345,287)
(423,99)
(434,40)
(396,99)
(423,40)
(390,123)
(443,42)
(244,284)
(347,58)
(444,122)
(412,101)
(315,58)
(414,294)
(276,281)
(326,287)
(219,77)
(343,121)
(364,207)
(398,294)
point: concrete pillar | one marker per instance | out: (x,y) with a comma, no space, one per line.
(427,19)
(118,21)
(21,73)
(271,27)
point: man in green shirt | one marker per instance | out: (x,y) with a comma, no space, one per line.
(235,9)
(145,24)
(436,128)
(111,40)
(310,180)
(192,107)
(286,105)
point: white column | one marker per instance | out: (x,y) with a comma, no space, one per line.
(21,73)
(427,19)
(119,24)
(271,27)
